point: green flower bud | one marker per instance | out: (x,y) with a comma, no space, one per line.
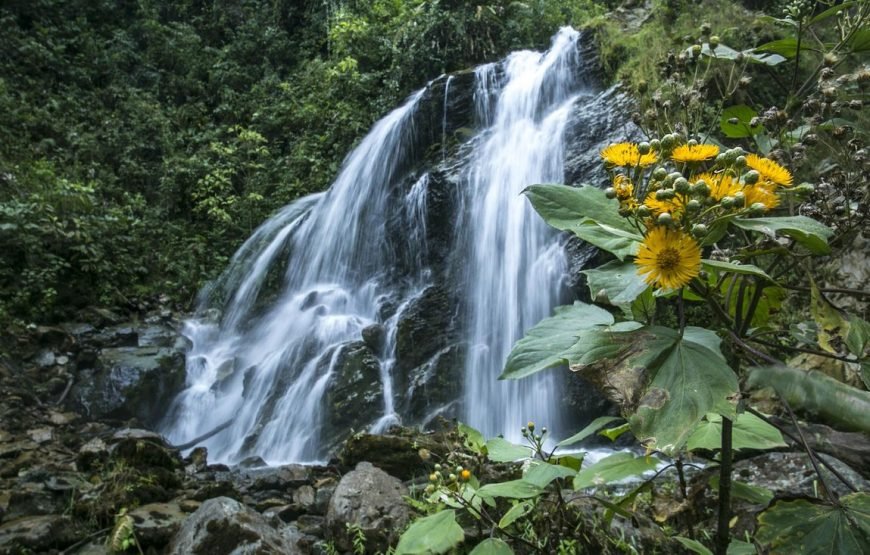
(610,193)
(665,219)
(644,148)
(543,430)
(740,161)
(751,177)
(624,212)
(662,194)
(659,174)
(675,175)
(720,158)
(805,188)
(531,426)
(655,144)
(739,199)
(696,50)
(681,185)
(699,230)
(452,477)
(727,202)
(692,142)
(668,141)
(437,475)
(643,211)
(713,41)
(757,209)
(458,469)
(701,188)
(693,206)
(437,466)
(433,477)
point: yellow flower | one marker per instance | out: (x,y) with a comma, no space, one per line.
(721,184)
(674,206)
(770,171)
(697,153)
(627,154)
(669,258)
(623,187)
(761,193)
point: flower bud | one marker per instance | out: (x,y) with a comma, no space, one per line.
(744,82)
(655,144)
(644,148)
(805,188)
(739,199)
(437,466)
(757,209)
(681,185)
(727,202)
(699,230)
(624,212)
(673,176)
(465,475)
(701,188)
(643,211)
(452,477)
(668,141)
(660,174)
(830,59)
(720,158)
(662,194)
(610,193)
(430,489)
(696,50)
(740,162)
(642,87)
(751,177)
(665,219)
(531,426)
(714,41)
(433,477)
(693,206)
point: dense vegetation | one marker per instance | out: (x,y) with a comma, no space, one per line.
(143,141)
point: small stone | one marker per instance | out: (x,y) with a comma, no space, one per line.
(189,505)
(45,359)
(305,496)
(253,462)
(62,418)
(41,435)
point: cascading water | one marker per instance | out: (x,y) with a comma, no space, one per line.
(320,281)
(515,265)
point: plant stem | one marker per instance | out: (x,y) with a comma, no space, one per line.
(723,528)
(802,350)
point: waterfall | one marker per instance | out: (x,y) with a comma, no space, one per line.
(299,340)
(515,265)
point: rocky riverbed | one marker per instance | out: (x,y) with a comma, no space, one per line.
(81,472)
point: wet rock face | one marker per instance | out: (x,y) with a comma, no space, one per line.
(126,371)
(223,526)
(354,396)
(370,500)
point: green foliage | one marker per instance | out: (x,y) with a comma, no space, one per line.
(749,432)
(816,528)
(141,143)
(437,533)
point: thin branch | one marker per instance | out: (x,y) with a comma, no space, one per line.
(802,350)
(792,437)
(828,493)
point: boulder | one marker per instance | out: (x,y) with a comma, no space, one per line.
(223,526)
(156,523)
(370,500)
(37,533)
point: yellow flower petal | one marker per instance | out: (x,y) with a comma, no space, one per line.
(696,153)
(627,154)
(669,258)
(769,170)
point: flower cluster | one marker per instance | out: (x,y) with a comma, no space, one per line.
(676,192)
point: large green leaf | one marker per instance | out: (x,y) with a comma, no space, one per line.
(618,280)
(563,207)
(718,267)
(501,450)
(858,337)
(541,473)
(516,512)
(815,529)
(593,427)
(860,40)
(437,533)
(748,432)
(618,466)
(832,401)
(544,344)
(786,47)
(743,115)
(830,12)
(514,489)
(474,440)
(666,382)
(492,546)
(693,545)
(618,242)
(806,231)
